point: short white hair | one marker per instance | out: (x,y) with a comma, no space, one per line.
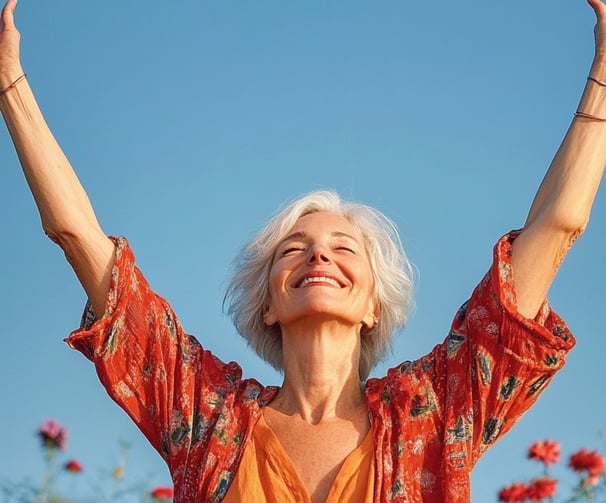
(248,291)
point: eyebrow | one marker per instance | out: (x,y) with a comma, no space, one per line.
(302,235)
(294,235)
(338,234)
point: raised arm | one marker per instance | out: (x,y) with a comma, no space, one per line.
(560,211)
(65,210)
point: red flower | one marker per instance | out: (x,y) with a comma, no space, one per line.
(53,435)
(540,489)
(591,461)
(515,493)
(545,451)
(73,465)
(162,492)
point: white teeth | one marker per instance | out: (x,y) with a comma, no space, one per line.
(319,279)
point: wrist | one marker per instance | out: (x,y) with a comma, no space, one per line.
(9,75)
(598,69)
(593,100)
(12,85)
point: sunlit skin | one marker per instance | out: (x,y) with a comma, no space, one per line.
(321,407)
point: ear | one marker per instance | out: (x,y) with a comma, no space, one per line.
(371,319)
(269,317)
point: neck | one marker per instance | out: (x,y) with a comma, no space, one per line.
(321,379)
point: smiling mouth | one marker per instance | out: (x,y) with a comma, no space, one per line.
(319,280)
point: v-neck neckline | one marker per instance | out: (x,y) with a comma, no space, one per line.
(286,468)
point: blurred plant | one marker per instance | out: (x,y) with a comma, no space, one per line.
(591,462)
(589,465)
(73,465)
(53,439)
(52,435)
(545,451)
(162,493)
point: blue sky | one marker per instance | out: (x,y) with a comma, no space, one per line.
(190,123)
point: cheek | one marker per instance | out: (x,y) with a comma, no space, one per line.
(370,280)
(373,291)
(269,304)
(273,283)
(276,284)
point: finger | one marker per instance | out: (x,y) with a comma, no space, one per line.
(599,8)
(7,17)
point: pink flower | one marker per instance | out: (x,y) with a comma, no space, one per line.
(52,435)
(515,493)
(543,488)
(162,492)
(590,461)
(73,465)
(545,451)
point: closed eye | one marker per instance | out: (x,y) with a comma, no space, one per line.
(292,249)
(347,249)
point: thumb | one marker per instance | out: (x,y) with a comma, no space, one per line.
(7,17)
(599,8)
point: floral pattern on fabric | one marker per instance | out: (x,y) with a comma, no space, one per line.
(431,419)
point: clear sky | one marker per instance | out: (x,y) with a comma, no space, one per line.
(190,122)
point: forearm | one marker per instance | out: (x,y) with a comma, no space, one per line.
(61,200)
(568,190)
(560,211)
(65,210)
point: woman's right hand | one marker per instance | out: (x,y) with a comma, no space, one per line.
(10,64)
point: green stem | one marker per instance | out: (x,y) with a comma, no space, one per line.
(49,476)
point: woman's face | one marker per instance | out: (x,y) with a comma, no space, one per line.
(321,272)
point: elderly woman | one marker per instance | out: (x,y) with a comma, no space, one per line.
(318,293)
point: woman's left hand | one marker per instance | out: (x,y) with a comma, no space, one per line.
(599,7)
(10,64)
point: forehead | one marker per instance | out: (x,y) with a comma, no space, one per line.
(326,221)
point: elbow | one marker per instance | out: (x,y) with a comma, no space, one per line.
(70,235)
(52,234)
(65,239)
(571,223)
(562,220)
(58,234)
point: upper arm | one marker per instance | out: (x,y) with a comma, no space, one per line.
(537,253)
(92,257)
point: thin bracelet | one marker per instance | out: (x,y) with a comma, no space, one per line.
(599,82)
(13,84)
(589,116)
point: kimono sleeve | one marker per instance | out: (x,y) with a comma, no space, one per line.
(437,415)
(495,361)
(173,389)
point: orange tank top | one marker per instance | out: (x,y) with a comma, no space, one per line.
(266,473)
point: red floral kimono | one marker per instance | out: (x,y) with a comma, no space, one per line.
(431,419)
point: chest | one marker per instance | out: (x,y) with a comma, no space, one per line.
(317,452)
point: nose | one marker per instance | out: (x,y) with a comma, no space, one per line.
(318,255)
